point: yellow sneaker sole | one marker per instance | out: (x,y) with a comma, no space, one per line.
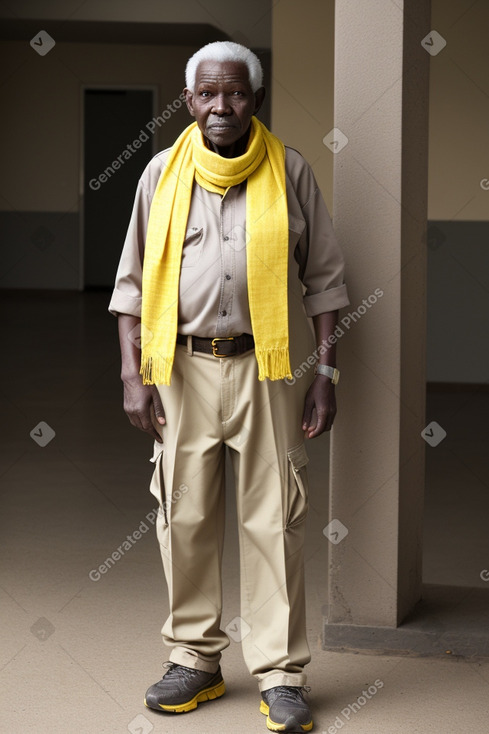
(208,694)
(264,709)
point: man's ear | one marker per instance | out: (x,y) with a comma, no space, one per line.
(189,100)
(259,97)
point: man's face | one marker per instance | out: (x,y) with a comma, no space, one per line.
(223,101)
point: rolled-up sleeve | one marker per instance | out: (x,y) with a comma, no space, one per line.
(126,296)
(323,268)
(320,259)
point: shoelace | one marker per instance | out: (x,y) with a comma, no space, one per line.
(291,693)
(178,671)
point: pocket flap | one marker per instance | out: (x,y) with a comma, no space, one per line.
(298,456)
(157,451)
(296,225)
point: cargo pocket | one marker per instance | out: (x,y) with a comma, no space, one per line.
(157,486)
(298,488)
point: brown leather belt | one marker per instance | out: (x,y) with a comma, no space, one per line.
(226,346)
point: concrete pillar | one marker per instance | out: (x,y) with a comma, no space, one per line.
(380,190)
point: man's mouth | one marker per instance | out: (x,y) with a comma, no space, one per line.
(221,126)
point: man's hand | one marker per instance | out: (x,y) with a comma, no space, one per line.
(319,407)
(142,403)
(320,402)
(143,406)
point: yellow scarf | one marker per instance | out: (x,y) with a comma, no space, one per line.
(263,165)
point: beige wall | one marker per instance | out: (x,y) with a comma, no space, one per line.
(303,82)
(459,112)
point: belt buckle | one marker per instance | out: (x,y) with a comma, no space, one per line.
(215,346)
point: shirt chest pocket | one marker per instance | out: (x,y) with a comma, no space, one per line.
(296,228)
(192,247)
(296,224)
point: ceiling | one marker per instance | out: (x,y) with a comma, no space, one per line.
(94,31)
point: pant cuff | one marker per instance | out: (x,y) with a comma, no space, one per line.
(195,660)
(278,678)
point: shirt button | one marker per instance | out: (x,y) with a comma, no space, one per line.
(224,313)
(228,277)
(226,238)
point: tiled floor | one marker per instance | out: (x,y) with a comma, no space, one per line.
(77,654)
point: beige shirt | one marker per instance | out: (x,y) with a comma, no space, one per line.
(213,283)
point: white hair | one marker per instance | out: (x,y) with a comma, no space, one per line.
(225,51)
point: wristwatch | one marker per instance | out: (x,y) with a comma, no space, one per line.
(324,369)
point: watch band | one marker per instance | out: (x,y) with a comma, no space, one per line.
(324,369)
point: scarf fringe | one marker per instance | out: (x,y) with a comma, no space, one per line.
(273,363)
(156,370)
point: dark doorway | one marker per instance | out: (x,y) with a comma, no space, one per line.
(117,146)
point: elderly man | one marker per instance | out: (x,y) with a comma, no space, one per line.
(230,248)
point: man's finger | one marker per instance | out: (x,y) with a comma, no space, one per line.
(154,433)
(306,418)
(156,423)
(134,420)
(317,429)
(158,407)
(148,425)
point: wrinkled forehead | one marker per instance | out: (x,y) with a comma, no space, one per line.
(222,72)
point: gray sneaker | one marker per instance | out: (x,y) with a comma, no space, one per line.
(182,688)
(285,709)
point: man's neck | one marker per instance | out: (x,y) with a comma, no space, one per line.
(230,151)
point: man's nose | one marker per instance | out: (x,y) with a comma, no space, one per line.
(221,105)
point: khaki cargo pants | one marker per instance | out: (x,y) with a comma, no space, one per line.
(213,403)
